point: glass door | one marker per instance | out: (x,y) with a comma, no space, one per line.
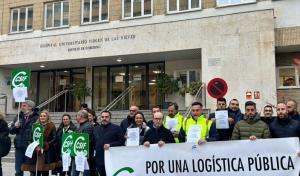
(118,83)
(137,78)
(45,90)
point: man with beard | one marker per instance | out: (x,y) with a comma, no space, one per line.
(234,109)
(292,109)
(284,125)
(173,121)
(129,120)
(106,135)
(251,127)
(22,129)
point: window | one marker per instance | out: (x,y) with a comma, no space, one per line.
(94,11)
(287,77)
(57,14)
(185,77)
(233,2)
(21,19)
(136,8)
(183,5)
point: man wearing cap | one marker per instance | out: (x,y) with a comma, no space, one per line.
(22,128)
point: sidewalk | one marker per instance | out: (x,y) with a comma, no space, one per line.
(9,169)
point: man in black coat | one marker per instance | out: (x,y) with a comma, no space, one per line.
(106,135)
(84,127)
(129,119)
(158,134)
(22,128)
(3,137)
(224,134)
(284,126)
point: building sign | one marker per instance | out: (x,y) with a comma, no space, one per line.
(20,78)
(86,44)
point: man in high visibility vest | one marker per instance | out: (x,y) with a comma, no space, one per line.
(208,130)
(173,121)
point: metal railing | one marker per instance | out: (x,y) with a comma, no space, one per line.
(201,90)
(64,92)
(118,98)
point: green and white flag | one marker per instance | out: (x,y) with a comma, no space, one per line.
(67,143)
(38,134)
(81,144)
(20,78)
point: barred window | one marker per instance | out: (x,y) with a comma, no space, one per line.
(21,19)
(183,5)
(136,8)
(94,11)
(57,14)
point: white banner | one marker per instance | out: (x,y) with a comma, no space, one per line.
(263,157)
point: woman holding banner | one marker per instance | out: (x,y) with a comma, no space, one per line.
(43,159)
(66,126)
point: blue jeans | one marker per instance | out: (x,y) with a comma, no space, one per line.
(76,173)
(20,159)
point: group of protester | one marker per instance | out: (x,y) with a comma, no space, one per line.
(103,134)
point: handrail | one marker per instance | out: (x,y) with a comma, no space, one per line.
(201,88)
(118,98)
(52,98)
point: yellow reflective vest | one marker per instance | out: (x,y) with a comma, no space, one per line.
(179,124)
(202,120)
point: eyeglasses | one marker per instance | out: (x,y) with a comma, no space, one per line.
(268,110)
(132,110)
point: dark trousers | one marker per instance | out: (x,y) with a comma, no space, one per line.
(20,159)
(1,167)
(101,170)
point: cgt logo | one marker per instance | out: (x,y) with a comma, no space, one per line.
(123,171)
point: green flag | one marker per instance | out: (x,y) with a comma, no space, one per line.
(67,143)
(20,78)
(81,144)
(38,134)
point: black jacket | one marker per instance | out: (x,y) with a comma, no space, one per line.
(4,130)
(295,116)
(268,120)
(106,134)
(126,123)
(4,139)
(23,134)
(153,135)
(282,128)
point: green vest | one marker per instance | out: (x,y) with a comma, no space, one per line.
(205,125)
(179,124)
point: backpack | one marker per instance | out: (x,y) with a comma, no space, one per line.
(5,144)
